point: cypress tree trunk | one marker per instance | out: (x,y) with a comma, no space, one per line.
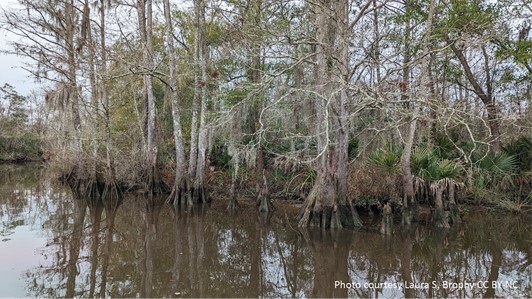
(454,212)
(233,204)
(110,168)
(327,205)
(179,191)
(409,208)
(199,190)
(145,19)
(72,87)
(439,216)
(409,200)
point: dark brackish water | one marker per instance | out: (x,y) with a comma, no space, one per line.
(55,245)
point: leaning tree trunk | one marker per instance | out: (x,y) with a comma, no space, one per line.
(485,95)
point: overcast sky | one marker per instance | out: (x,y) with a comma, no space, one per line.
(10,65)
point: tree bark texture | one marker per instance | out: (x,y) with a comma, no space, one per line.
(439,216)
(145,19)
(179,191)
(72,85)
(327,205)
(409,212)
(199,192)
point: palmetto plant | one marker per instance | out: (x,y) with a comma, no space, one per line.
(521,150)
(386,159)
(495,171)
(433,176)
(445,175)
(430,171)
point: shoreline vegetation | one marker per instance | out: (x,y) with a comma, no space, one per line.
(344,108)
(288,205)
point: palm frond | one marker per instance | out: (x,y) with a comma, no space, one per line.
(386,159)
(498,163)
(420,160)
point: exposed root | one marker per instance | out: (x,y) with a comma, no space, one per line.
(263,196)
(180,194)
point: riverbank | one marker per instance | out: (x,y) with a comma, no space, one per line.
(140,247)
(24,148)
(287,195)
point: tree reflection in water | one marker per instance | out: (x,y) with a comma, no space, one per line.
(140,247)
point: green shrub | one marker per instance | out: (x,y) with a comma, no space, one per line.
(20,148)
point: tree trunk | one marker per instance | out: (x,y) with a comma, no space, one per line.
(144,10)
(99,95)
(264,203)
(263,194)
(254,75)
(233,203)
(409,208)
(72,85)
(199,194)
(94,100)
(409,201)
(485,96)
(327,205)
(439,216)
(193,153)
(454,212)
(110,169)
(179,191)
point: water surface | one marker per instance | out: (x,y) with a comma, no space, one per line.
(54,244)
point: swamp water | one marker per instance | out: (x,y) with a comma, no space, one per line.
(54,245)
